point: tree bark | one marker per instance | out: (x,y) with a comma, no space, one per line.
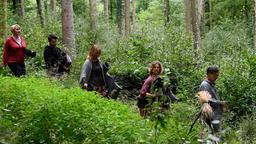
(196,29)
(208,17)
(93,15)
(53,8)
(127,17)
(40,11)
(3,20)
(68,26)
(22,9)
(106,13)
(133,16)
(166,12)
(188,15)
(119,16)
(254,31)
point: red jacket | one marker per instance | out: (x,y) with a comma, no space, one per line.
(13,52)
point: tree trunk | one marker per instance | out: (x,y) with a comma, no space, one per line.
(40,11)
(188,15)
(133,16)
(3,20)
(208,17)
(166,12)
(200,16)
(22,9)
(111,9)
(68,34)
(254,32)
(196,28)
(93,15)
(53,8)
(14,6)
(106,11)
(119,16)
(127,17)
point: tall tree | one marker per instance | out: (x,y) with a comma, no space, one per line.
(133,16)
(18,7)
(127,17)
(3,20)
(68,34)
(208,16)
(119,16)
(188,15)
(196,28)
(166,12)
(200,14)
(40,6)
(254,33)
(22,9)
(106,13)
(93,15)
(53,8)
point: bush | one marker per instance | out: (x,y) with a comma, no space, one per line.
(36,111)
(247,132)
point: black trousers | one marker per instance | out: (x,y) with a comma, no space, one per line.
(18,69)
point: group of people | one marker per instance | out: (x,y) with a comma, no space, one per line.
(94,77)
(15,51)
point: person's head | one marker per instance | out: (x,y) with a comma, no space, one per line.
(94,52)
(16,30)
(155,68)
(52,39)
(212,73)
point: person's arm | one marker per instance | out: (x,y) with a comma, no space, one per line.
(85,74)
(145,87)
(46,58)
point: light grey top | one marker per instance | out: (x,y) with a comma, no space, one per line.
(209,86)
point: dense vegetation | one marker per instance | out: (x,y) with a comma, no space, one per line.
(32,110)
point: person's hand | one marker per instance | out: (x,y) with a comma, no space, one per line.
(85,85)
(65,68)
(224,105)
(1,65)
(151,95)
(33,54)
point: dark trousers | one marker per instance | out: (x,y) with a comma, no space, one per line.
(18,69)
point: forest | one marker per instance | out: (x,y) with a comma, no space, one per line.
(186,36)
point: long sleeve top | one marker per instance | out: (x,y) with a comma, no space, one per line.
(209,86)
(146,86)
(13,52)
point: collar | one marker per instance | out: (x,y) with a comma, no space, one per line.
(210,82)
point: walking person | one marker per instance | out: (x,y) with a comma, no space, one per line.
(14,52)
(56,61)
(212,107)
(147,92)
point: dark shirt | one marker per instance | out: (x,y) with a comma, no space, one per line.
(53,58)
(96,78)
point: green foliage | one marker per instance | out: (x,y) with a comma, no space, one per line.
(40,112)
(247,129)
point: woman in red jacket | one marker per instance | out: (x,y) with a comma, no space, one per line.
(14,52)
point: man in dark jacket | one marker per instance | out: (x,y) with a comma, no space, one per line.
(54,58)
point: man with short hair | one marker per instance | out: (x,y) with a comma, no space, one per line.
(54,58)
(212,100)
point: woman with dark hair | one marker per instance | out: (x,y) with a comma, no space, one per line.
(14,52)
(92,75)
